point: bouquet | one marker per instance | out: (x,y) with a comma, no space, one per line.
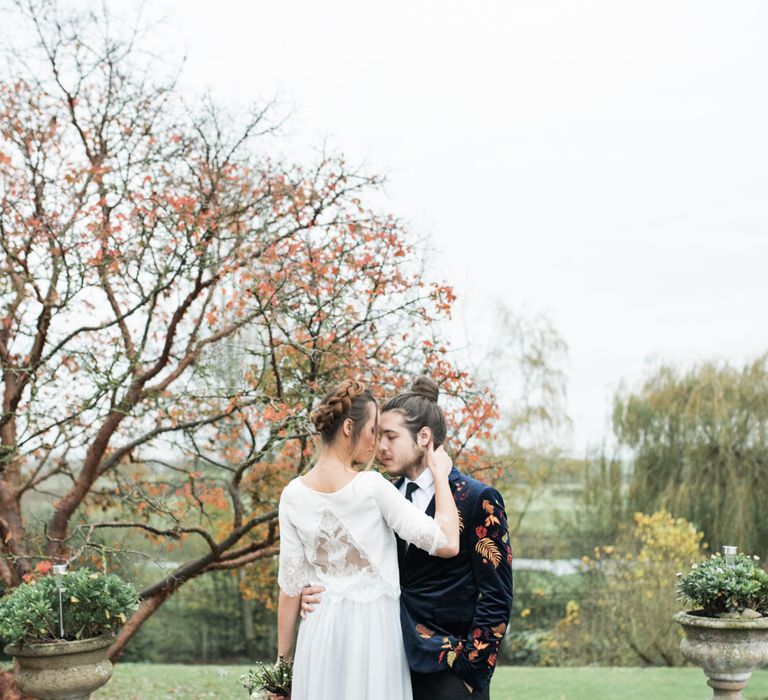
(269,680)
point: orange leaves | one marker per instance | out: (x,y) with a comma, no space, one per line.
(266,290)
(274,413)
(214,497)
(443,297)
(43,567)
(70,362)
(98,170)
(184,205)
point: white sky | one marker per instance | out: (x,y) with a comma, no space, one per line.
(603,162)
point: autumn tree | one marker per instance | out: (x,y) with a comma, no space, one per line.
(172,300)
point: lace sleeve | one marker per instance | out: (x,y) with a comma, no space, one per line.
(294,571)
(406,519)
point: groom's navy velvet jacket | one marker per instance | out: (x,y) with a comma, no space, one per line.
(454,612)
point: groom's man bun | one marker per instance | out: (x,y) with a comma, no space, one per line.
(419,409)
(426,387)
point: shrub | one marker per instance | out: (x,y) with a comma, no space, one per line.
(539,600)
(724,589)
(93,604)
(528,648)
(626,619)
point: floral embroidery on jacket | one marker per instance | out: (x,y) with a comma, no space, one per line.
(453,650)
(485,547)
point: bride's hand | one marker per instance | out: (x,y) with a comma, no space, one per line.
(438,461)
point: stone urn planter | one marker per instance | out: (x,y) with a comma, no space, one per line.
(62,670)
(727,649)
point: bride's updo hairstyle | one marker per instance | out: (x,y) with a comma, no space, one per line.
(350,399)
(419,409)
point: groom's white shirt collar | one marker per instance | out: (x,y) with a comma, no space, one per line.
(422,495)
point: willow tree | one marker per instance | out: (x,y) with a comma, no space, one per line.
(700,444)
(527,359)
(145,247)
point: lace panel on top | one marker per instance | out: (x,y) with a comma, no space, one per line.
(336,554)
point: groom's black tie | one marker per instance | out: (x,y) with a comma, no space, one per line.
(402,546)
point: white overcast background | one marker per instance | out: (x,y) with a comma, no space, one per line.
(604,163)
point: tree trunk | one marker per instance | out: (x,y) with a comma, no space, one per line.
(146,609)
(246,606)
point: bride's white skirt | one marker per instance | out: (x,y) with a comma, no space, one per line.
(349,650)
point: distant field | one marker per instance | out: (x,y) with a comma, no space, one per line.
(158,682)
(542,533)
(540,517)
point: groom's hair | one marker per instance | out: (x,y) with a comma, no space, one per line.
(419,409)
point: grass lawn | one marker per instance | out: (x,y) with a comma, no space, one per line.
(157,682)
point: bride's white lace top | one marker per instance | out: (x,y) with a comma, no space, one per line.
(344,540)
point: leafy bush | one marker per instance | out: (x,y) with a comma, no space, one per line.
(721,589)
(528,648)
(540,597)
(93,604)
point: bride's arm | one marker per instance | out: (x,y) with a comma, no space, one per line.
(445,507)
(292,575)
(287,617)
(439,535)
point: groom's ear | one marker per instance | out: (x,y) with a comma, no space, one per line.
(423,436)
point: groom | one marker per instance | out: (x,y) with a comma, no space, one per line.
(453,612)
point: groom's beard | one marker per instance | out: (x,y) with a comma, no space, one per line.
(413,469)
(410,469)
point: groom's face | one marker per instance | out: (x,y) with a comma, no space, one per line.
(398,452)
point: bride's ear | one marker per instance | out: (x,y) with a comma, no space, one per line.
(347,426)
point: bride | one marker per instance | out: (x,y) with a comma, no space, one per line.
(336,531)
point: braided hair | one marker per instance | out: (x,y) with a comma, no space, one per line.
(349,399)
(419,409)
